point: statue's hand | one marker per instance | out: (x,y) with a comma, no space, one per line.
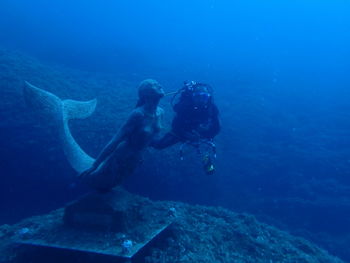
(86,172)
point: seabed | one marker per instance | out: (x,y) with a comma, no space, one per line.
(106,227)
(121,227)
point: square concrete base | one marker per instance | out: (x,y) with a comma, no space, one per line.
(100,224)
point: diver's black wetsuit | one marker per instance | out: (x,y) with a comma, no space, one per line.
(190,124)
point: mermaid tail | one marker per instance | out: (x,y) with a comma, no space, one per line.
(60,112)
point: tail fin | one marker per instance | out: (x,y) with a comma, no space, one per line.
(45,103)
(73,109)
(53,108)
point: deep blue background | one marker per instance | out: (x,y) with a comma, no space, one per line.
(292,40)
(280,70)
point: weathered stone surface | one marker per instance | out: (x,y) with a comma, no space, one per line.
(100,211)
(196,234)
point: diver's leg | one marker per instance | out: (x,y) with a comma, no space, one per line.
(168,139)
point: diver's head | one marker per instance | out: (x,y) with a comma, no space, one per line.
(201,95)
(150,91)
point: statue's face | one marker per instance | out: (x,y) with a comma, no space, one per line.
(151,90)
(158,90)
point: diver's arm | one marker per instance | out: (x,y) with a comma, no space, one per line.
(130,125)
(212,127)
(214,122)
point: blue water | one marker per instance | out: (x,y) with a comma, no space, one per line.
(280,70)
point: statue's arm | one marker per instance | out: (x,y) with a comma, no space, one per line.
(160,118)
(133,121)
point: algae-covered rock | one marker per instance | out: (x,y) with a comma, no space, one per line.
(197,234)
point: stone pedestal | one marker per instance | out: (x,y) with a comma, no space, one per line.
(101,224)
(109,211)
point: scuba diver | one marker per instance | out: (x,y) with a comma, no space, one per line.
(196,122)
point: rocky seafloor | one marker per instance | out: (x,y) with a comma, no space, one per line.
(197,234)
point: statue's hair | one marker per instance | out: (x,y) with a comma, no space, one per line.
(143,90)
